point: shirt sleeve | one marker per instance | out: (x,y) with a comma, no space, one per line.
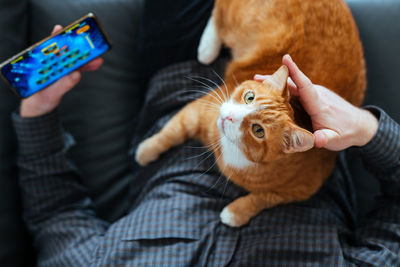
(381,155)
(376,241)
(56,207)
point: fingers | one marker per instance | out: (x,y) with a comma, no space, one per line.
(320,139)
(260,78)
(68,82)
(56,28)
(92,65)
(292,87)
(306,91)
(298,77)
(326,138)
(65,84)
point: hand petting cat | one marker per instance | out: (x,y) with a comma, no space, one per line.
(337,124)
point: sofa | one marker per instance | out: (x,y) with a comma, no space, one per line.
(100,112)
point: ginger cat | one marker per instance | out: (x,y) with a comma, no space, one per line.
(263,137)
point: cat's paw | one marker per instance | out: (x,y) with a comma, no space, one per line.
(145,153)
(210,44)
(231,219)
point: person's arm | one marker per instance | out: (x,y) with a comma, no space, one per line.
(338,125)
(376,241)
(56,207)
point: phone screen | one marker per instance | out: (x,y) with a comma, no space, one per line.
(56,57)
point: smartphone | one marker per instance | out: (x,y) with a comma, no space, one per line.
(56,56)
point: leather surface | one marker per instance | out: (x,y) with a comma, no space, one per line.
(379,28)
(13,237)
(99,110)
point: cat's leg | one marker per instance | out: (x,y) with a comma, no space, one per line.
(181,127)
(240,211)
(210,44)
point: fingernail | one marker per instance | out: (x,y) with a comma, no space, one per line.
(290,58)
(75,75)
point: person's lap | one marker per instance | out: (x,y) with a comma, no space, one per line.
(176,200)
(175,219)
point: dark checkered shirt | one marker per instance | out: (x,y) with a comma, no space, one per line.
(176,201)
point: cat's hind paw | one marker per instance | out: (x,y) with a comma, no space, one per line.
(231,219)
(145,153)
(210,44)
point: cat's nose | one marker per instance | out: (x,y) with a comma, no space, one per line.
(229,118)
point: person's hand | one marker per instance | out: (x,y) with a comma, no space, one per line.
(48,99)
(337,124)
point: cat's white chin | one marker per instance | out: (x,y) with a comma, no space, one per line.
(232,154)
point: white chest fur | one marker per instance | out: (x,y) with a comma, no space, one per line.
(232,155)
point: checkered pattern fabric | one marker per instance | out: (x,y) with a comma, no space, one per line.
(176,201)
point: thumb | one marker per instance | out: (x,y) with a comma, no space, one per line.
(326,138)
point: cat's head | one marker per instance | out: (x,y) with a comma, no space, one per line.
(259,120)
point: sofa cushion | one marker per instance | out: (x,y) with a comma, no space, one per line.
(379,29)
(99,110)
(13,38)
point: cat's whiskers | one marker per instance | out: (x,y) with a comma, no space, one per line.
(205,152)
(215,162)
(221,172)
(214,143)
(209,148)
(234,169)
(217,87)
(208,145)
(210,107)
(211,90)
(216,182)
(202,92)
(226,87)
(226,180)
(213,146)
(198,91)
(205,102)
(234,78)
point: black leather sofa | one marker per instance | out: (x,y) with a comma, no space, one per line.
(100,111)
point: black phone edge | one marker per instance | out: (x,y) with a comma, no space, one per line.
(30,48)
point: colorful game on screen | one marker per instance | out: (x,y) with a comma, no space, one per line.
(56,57)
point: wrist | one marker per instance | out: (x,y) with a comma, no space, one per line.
(368,126)
(30,109)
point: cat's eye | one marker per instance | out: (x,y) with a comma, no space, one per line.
(249,97)
(258,131)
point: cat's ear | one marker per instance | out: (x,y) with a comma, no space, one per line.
(278,80)
(297,139)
